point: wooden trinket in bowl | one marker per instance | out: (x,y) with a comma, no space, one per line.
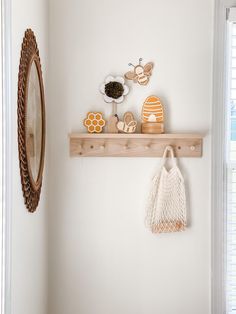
(152,116)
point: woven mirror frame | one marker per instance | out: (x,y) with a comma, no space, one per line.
(30,63)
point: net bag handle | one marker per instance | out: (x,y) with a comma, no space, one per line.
(164,158)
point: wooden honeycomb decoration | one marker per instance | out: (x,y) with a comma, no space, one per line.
(94,122)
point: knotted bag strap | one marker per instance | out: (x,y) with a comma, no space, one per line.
(164,158)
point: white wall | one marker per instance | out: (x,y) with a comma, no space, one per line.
(29,231)
(102,259)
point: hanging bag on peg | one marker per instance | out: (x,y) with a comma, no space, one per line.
(166,210)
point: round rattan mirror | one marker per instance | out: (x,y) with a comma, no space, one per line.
(31,121)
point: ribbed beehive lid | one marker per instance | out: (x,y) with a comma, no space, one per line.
(152,110)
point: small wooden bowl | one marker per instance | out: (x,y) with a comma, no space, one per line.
(152,128)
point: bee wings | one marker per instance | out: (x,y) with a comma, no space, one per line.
(130,75)
(148,68)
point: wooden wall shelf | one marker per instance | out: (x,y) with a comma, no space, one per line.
(134,145)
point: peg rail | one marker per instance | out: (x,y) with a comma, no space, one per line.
(134,145)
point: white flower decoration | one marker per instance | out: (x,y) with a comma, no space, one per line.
(114,89)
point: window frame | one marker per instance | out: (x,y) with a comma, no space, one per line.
(219,169)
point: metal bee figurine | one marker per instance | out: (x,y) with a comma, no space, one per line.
(141,74)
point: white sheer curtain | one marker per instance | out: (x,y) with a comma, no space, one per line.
(231,165)
(1,168)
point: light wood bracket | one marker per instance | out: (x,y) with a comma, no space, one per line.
(134,145)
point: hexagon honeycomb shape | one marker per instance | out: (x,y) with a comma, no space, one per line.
(94,122)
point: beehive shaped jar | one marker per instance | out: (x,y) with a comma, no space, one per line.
(152,116)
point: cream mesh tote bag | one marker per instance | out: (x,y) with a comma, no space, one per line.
(166,210)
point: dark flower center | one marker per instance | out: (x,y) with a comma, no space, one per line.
(114,89)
